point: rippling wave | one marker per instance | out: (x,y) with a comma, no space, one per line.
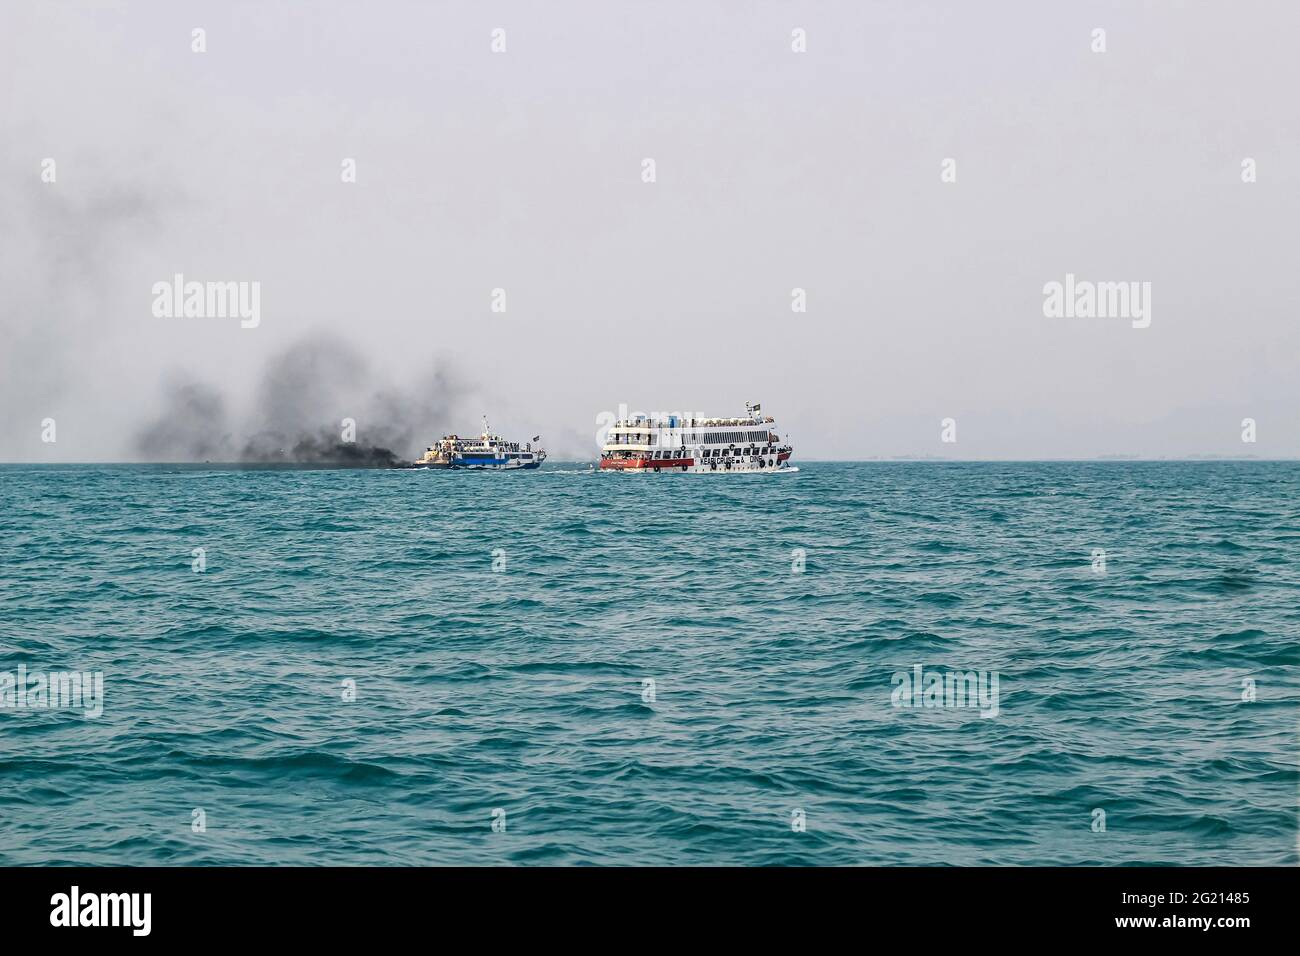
(503,631)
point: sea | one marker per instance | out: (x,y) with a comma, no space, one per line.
(874,663)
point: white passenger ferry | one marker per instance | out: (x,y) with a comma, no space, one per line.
(674,444)
(488,452)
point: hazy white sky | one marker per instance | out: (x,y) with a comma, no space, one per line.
(522,170)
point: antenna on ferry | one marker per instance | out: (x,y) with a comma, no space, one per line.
(485,426)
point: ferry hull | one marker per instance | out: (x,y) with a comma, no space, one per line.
(487,465)
(758,464)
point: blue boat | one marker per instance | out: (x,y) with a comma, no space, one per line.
(488,452)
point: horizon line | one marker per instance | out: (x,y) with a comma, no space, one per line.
(903,459)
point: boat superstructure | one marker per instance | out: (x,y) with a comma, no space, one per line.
(671,443)
(488,452)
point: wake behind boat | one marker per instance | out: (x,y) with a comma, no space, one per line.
(488,452)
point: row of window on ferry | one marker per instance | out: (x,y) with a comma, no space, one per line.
(708,453)
(709,438)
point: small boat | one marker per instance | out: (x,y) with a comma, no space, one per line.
(488,452)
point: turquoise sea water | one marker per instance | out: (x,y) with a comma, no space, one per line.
(524,689)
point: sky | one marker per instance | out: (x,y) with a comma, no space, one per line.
(775,169)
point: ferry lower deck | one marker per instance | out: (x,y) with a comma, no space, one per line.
(720,459)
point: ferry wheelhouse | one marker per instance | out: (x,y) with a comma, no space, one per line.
(488,452)
(676,444)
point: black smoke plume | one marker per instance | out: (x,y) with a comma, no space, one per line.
(298,414)
(194,427)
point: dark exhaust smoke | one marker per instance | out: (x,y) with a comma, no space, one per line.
(194,428)
(317,403)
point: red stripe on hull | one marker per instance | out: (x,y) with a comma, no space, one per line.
(619,464)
